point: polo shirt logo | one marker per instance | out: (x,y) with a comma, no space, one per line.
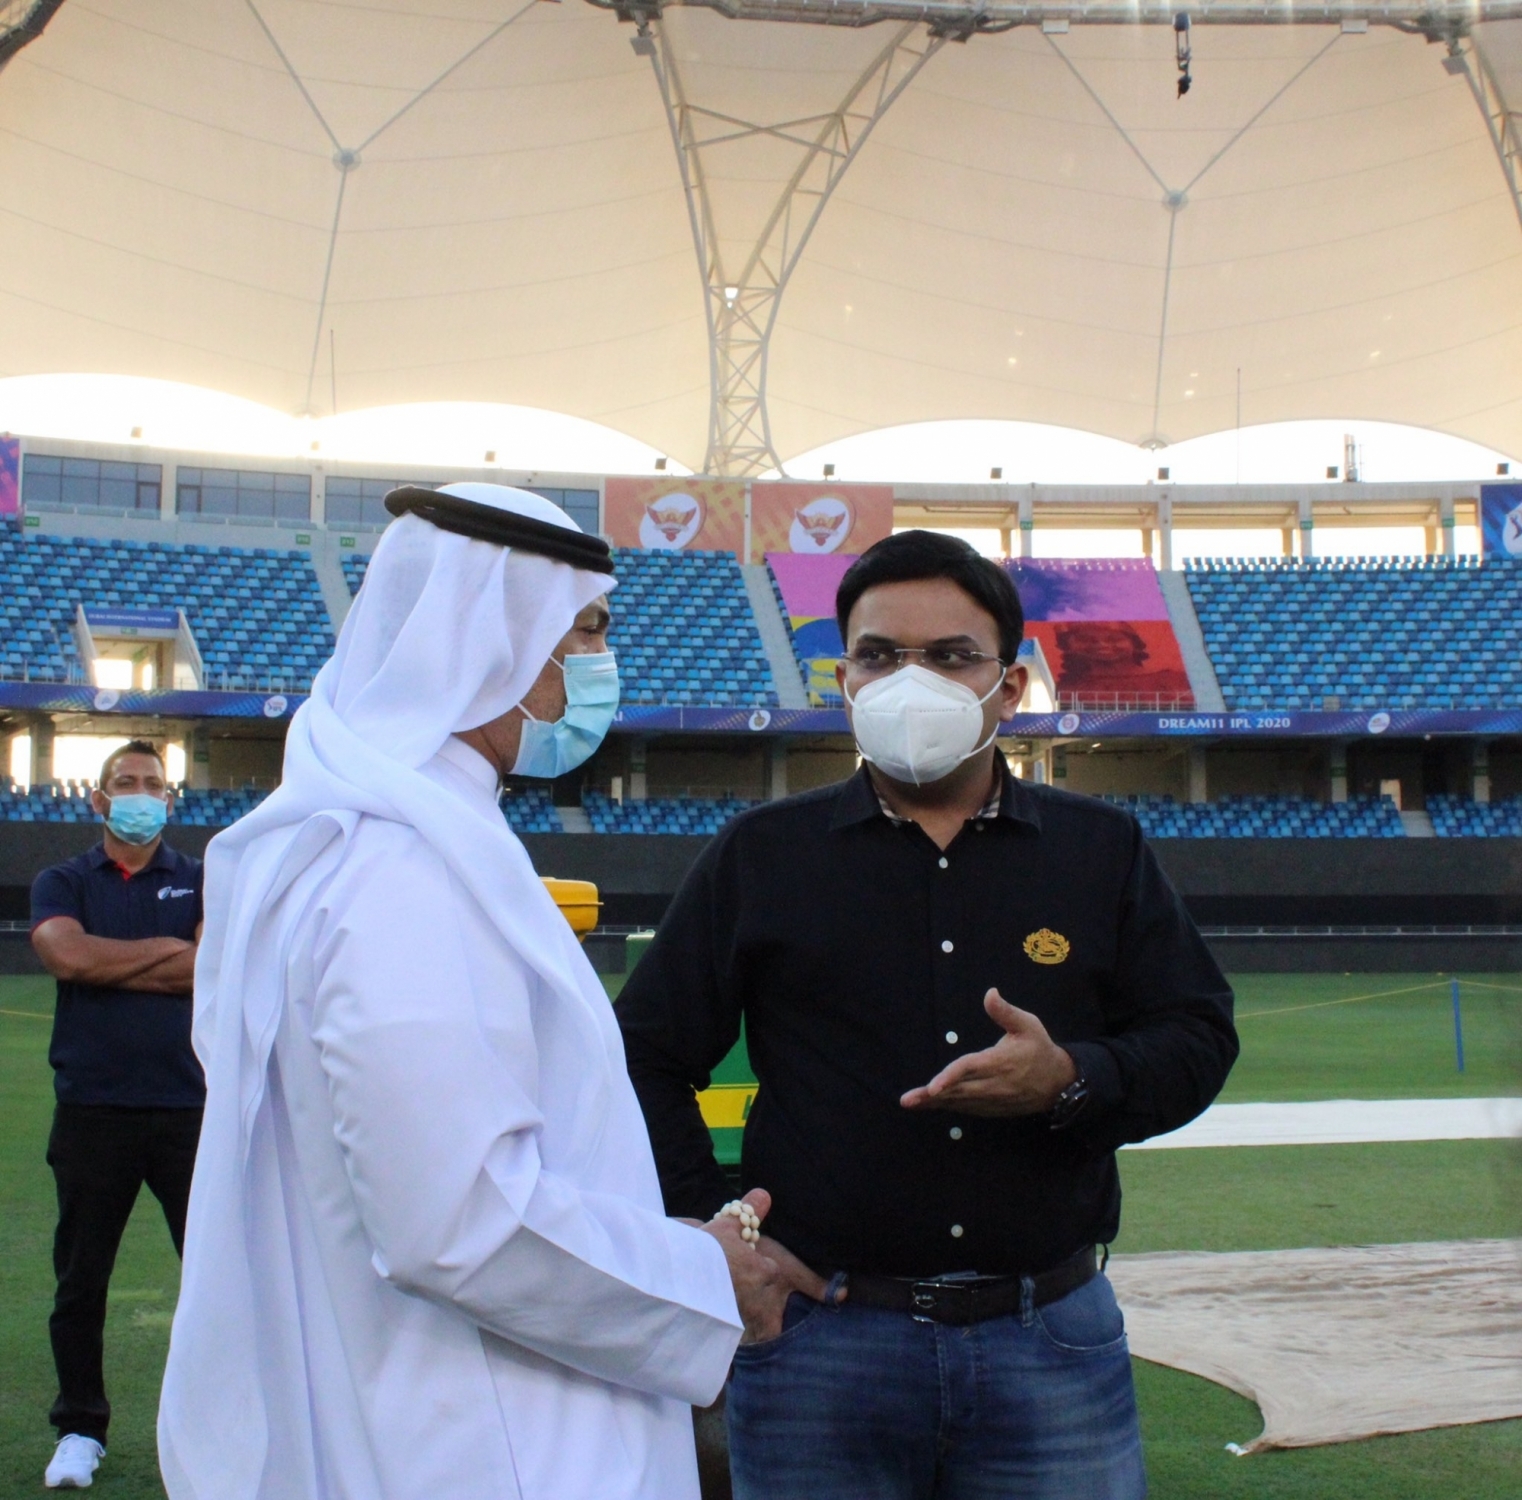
(166,892)
(1047,947)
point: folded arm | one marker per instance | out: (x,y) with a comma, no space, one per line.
(161,965)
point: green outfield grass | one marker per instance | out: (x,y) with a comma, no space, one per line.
(1312,1046)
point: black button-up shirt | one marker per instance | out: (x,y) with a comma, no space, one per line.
(129,1048)
(857,954)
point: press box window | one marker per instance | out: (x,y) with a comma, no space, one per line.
(244,494)
(95,484)
(361,502)
(579,505)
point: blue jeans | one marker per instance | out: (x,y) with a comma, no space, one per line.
(853,1403)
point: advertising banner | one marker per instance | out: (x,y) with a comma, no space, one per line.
(815,520)
(676,515)
(808,585)
(10,477)
(1103,626)
(1500,520)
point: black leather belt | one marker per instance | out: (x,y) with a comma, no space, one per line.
(960,1300)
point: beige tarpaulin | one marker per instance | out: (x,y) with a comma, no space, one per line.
(1338,1344)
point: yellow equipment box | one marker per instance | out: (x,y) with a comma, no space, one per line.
(578,903)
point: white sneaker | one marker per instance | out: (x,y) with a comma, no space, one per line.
(75,1461)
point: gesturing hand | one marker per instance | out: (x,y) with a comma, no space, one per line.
(761,1289)
(1021,1074)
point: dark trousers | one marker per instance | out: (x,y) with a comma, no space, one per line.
(101,1156)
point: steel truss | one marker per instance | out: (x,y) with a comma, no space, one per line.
(742,303)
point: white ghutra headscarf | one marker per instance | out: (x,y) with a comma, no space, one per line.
(446,634)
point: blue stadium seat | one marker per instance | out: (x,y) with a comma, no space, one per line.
(1265,817)
(1460,818)
(1415,633)
(278,604)
(682,627)
(688,815)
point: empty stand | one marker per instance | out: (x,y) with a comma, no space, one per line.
(530,809)
(257,614)
(1459,818)
(689,815)
(682,628)
(1361,633)
(684,631)
(1265,818)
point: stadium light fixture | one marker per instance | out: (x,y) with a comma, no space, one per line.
(660,465)
(1331,471)
(829,471)
(1182,51)
(996,473)
(137,432)
(1503,468)
(491,455)
(1164,473)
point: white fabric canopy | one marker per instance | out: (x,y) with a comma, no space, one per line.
(511,224)
(1342,1343)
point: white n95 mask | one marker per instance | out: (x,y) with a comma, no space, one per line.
(915,725)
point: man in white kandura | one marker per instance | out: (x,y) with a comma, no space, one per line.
(426,1256)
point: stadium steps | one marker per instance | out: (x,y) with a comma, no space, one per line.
(1418,825)
(1203,683)
(775,636)
(574,820)
(335,587)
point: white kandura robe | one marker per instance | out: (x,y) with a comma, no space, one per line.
(464,1281)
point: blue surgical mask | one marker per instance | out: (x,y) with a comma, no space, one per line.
(591,701)
(138,818)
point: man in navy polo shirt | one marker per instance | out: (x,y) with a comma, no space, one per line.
(117,927)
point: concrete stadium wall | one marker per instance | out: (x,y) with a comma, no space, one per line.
(1226,882)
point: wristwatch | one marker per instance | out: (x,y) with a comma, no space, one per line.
(1069,1104)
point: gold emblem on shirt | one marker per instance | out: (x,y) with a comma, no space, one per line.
(1047,947)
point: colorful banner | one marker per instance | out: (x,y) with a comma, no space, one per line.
(808,586)
(676,515)
(10,477)
(1103,626)
(813,520)
(1501,520)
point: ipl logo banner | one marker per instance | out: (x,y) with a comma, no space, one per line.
(813,520)
(676,515)
(1501,520)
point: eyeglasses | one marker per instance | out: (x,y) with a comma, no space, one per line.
(874,661)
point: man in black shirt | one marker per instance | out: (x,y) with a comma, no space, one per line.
(117,927)
(960,994)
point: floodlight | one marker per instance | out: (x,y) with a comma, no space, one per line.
(1164,473)
(996,473)
(829,471)
(660,465)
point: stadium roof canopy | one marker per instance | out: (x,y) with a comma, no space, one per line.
(738,229)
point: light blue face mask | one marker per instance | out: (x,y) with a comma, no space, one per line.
(591,700)
(138,818)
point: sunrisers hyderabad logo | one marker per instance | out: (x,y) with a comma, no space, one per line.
(1047,947)
(821,526)
(671,522)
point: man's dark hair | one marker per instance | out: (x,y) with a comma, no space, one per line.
(132,747)
(909,555)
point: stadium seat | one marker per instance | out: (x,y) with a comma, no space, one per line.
(1265,817)
(682,815)
(1460,818)
(1361,634)
(257,613)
